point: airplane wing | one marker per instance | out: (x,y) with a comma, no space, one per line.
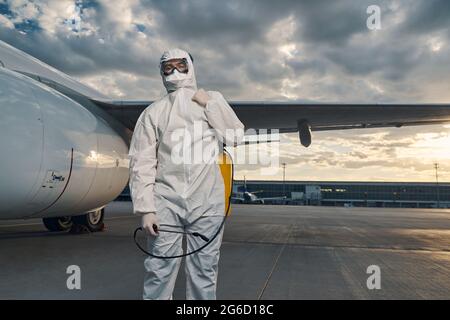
(292,116)
(307,117)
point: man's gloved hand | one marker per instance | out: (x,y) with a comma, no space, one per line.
(201,97)
(148,221)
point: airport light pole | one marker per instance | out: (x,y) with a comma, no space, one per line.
(436,167)
(284,178)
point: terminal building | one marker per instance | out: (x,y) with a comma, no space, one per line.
(336,193)
(361,194)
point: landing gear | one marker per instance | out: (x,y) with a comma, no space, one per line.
(89,222)
(93,221)
(58,224)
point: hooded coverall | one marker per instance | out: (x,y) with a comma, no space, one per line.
(167,178)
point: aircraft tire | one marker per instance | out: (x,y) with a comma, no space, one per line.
(93,221)
(58,224)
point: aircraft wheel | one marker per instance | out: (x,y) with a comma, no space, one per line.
(58,224)
(91,220)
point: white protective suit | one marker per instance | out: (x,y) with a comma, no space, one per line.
(185,195)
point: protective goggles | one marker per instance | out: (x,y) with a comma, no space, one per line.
(169,66)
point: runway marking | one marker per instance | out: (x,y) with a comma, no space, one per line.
(357,288)
(121,217)
(20,225)
(266,283)
(39,223)
(418,250)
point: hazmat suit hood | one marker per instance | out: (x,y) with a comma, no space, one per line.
(178,80)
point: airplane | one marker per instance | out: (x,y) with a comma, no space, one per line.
(250,197)
(64,146)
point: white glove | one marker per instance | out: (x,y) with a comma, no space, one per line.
(148,221)
(201,97)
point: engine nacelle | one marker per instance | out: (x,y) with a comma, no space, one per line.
(57,158)
(304,133)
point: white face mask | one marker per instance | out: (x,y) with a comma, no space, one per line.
(176,77)
(178,80)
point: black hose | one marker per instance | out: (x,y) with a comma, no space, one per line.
(196,234)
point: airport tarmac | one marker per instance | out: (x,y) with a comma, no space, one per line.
(268,252)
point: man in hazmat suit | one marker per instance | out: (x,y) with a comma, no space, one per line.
(175,181)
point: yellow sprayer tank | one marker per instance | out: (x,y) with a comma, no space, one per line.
(226,168)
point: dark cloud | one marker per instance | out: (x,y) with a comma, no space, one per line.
(428,16)
(225,22)
(301,66)
(334,56)
(333,22)
(307,50)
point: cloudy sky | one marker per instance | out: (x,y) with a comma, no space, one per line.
(311,50)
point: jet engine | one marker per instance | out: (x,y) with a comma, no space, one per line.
(57,157)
